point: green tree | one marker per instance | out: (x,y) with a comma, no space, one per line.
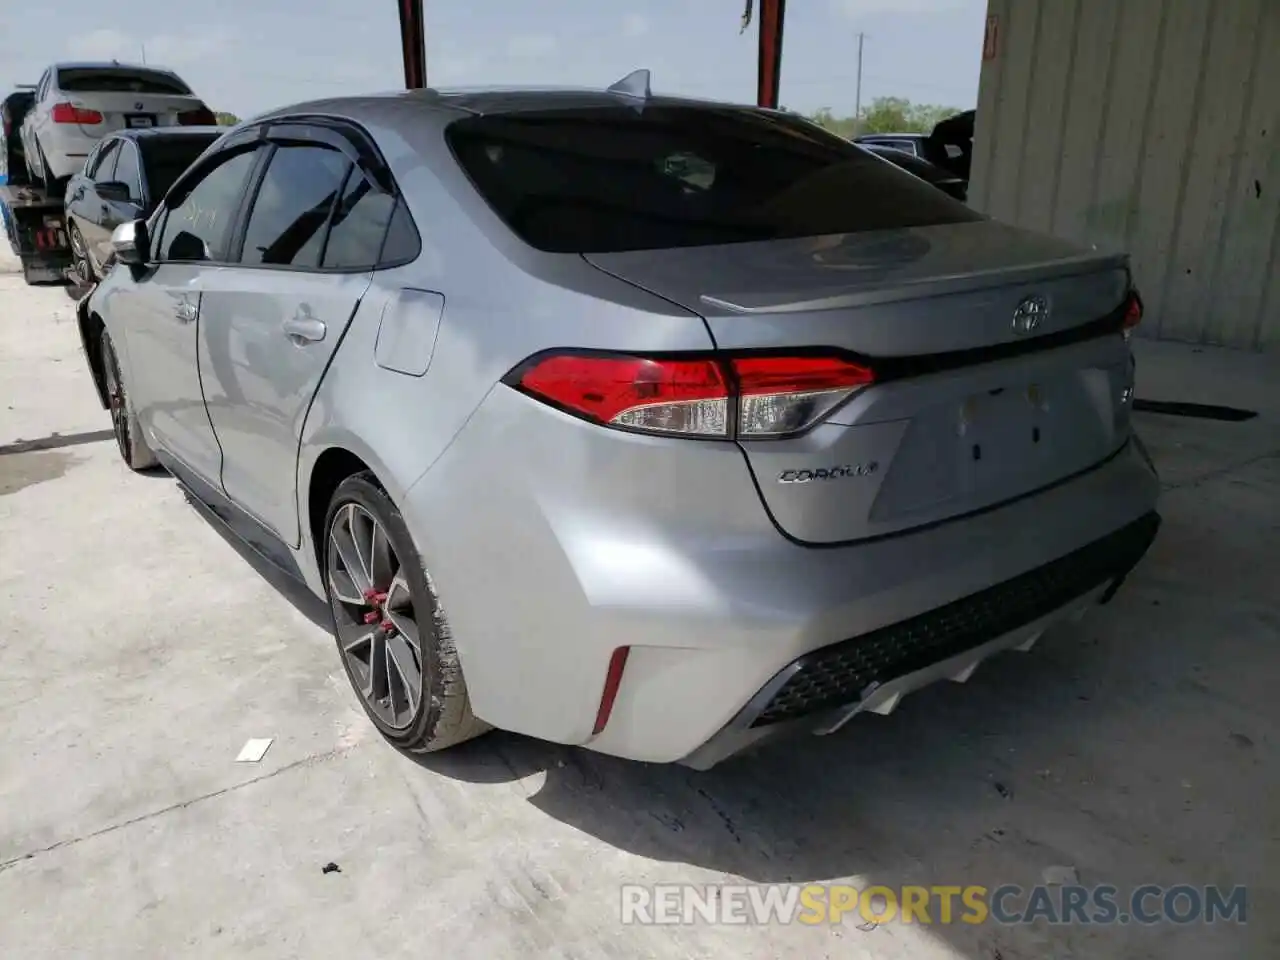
(227,119)
(885,115)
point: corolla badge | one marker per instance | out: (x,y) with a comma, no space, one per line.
(840,472)
(1030,314)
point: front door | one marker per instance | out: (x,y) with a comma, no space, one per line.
(270,325)
(164,315)
(162,310)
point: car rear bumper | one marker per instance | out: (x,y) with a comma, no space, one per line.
(554,543)
(821,691)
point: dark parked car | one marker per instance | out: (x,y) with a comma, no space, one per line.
(123,180)
(944,180)
(948,145)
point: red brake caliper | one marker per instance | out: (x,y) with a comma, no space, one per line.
(376,599)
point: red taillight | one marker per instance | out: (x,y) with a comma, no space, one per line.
(66,113)
(1132,313)
(612,680)
(750,396)
(197,118)
(1132,310)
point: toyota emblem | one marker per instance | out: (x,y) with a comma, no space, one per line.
(1030,314)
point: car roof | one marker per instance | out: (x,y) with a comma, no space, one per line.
(165,133)
(488,100)
(107,65)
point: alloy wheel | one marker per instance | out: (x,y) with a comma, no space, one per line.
(80,256)
(374,616)
(116,400)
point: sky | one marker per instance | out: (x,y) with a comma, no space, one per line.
(246,56)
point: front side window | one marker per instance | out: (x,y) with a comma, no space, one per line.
(119,80)
(608,179)
(127,170)
(286,226)
(198,228)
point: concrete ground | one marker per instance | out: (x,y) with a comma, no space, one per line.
(140,650)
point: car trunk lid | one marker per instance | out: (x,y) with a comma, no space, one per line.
(1000,368)
(121,111)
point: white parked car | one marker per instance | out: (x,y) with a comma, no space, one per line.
(77,104)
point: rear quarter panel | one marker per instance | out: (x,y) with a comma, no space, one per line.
(503,302)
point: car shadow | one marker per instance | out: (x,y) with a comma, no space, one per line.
(1118,748)
(297,593)
(929,781)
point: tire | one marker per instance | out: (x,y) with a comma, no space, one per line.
(124,421)
(383,605)
(80,255)
(43,179)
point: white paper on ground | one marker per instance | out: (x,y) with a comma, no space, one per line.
(254,750)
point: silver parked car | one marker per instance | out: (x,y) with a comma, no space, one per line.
(652,425)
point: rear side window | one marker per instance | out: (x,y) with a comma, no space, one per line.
(104,165)
(127,170)
(287,224)
(198,228)
(359,224)
(119,80)
(613,178)
(402,243)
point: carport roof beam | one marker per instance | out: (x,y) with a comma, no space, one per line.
(768,61)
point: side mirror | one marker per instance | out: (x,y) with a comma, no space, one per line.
(129,243)
(114,191)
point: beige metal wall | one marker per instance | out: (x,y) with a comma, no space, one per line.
(1154,125)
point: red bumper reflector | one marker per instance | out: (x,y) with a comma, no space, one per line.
(612,680)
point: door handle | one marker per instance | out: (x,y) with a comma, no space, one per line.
(185,312)
(303,330)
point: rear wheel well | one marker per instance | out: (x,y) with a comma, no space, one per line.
(332,467)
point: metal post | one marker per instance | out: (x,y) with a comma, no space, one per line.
(413,44)
(769,62)
(857,94)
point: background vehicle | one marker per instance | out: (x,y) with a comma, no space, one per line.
(944,180)
(123,180)
(77,104)
(909,143)
(655,430)
(32,220)
(948,145)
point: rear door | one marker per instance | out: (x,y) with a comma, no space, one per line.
(271,322)
(128,97)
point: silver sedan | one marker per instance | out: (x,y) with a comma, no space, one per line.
(648,424)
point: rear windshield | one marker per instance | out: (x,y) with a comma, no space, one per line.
(118,80)
(167,158)
(614,178)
